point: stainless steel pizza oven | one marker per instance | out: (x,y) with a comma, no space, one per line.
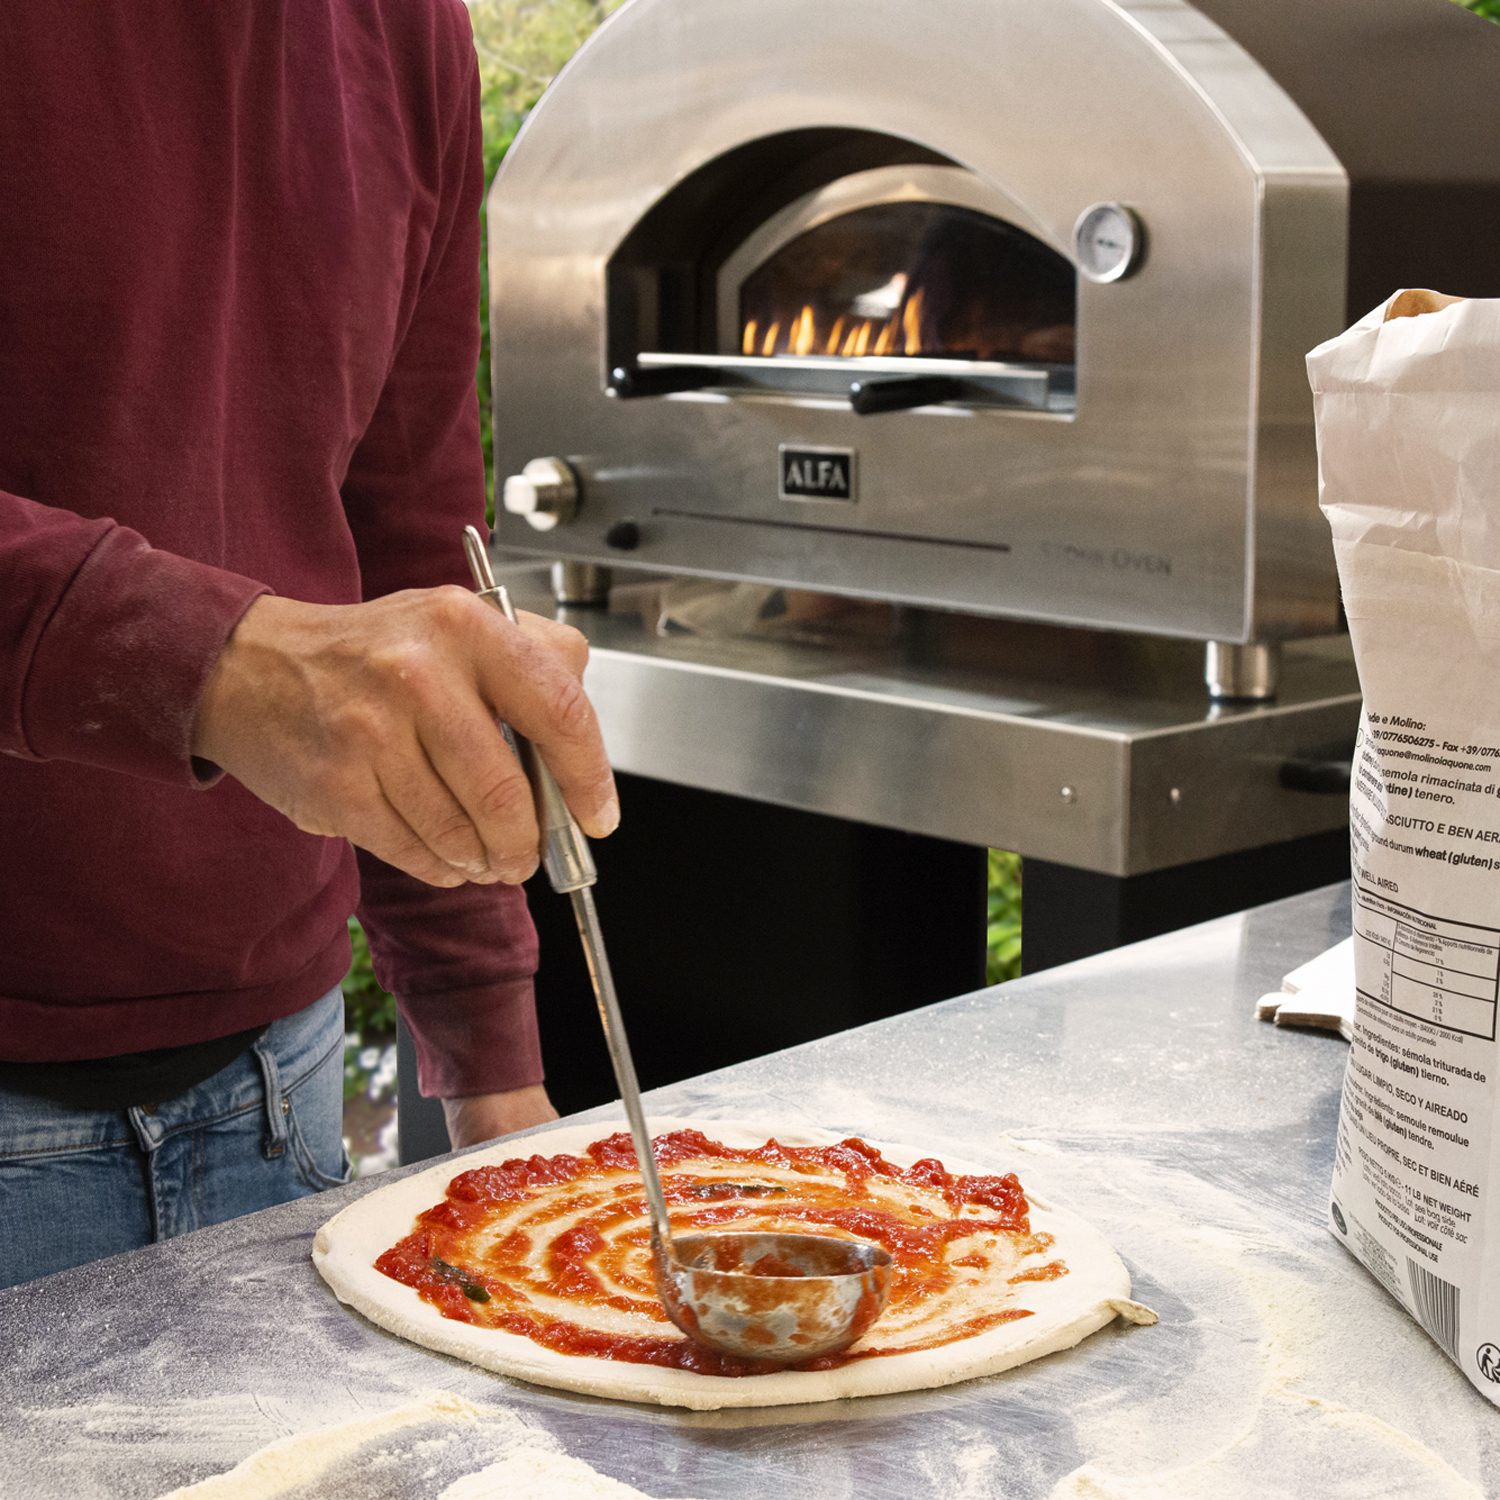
(997,306)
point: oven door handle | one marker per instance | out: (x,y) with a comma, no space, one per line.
(902,392)
(630,382)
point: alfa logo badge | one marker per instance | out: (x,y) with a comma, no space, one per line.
(816,474)
(1488,1358)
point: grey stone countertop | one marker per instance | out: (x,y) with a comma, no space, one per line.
(1135,1087)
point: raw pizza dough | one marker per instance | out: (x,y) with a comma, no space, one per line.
(1064,1311)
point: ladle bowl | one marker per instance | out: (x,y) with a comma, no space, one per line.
(782,1298)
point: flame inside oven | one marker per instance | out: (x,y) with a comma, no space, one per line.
(911,278)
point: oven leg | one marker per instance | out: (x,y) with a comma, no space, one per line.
(575,583)
(1242,673)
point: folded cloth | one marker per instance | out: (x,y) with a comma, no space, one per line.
(1319,993)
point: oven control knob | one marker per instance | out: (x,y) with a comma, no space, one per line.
(545,492)
(623,536)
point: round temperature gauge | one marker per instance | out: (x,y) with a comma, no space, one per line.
(1108,240)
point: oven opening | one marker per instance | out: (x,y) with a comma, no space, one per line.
(938,294)
(911,279)
(873,273)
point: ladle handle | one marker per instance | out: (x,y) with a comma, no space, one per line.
(570,869)
(564,850)
(619,1055)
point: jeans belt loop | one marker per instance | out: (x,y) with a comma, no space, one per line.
(276,1103)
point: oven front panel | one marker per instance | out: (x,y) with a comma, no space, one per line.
(1178,495)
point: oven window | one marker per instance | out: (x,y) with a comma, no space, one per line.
(912,278)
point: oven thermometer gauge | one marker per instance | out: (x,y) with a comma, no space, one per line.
(1108,240)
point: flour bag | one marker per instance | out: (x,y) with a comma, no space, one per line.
(1408,420)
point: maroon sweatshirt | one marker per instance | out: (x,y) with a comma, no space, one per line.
(239,293)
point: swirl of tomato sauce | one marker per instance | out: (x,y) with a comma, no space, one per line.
(598,1259)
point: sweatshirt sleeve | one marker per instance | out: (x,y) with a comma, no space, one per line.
(460,961)
(105,642)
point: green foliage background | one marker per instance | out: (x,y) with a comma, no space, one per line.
(367,1008)
(1489,9)
(1003,933)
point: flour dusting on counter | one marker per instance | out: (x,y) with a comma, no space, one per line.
(540,1474)
(1290,1339)
(438,1437)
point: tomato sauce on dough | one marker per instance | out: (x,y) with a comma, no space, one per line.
(545,1246)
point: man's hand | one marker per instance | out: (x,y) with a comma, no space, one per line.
(482,1118)
(376,723)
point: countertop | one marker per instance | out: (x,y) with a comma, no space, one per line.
(1135,1087)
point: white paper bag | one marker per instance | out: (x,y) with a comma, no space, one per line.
(1408,420)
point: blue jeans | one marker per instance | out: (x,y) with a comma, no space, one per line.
(78,1184)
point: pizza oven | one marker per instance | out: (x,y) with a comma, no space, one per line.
(997,306)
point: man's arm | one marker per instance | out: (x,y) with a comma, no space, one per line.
(460,962)
(376,722)
(483,1117)
(105,641)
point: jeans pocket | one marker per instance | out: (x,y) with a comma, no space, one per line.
(314,1109)
(323,1164)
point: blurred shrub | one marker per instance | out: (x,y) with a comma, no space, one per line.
(1489,9)
(1003,946)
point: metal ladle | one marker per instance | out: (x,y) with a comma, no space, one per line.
(766,1296)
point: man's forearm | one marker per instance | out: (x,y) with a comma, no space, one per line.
(485,1116)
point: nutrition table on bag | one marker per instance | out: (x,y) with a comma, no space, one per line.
(1428,967)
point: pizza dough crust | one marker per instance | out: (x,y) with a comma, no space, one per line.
(1064,1311)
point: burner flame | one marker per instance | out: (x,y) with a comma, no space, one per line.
(911,323)
(803,331)
(884,321)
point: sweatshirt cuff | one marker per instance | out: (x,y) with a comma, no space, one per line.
(118,671)
(469,1042)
